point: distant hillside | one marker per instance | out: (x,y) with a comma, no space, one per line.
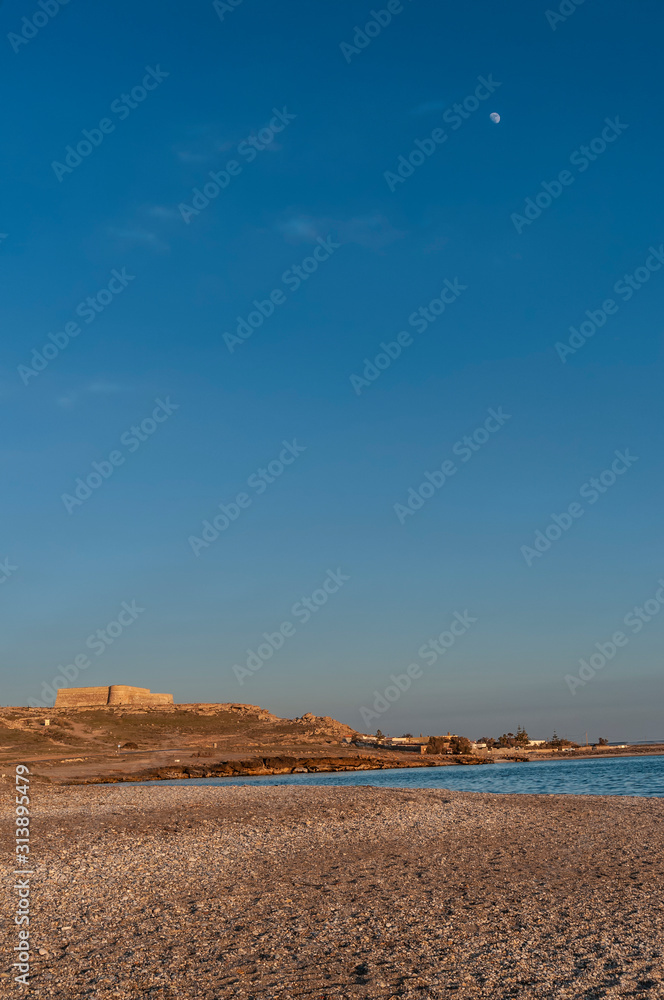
(229,726)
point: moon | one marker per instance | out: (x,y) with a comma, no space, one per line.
(495,117)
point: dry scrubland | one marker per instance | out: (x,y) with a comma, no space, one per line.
(82,744)
(99,730)
(284,892)
(179,740)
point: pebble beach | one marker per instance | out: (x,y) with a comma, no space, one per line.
(325,892)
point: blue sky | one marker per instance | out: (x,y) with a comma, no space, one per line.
(348,117)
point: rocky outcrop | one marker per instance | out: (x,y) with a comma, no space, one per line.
(258,766)
(324,725)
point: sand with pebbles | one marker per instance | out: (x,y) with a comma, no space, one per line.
(279,892)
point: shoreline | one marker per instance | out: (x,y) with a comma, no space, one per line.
(285,764)
(185,776)
(264,767)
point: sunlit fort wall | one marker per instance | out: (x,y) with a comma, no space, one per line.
(116,694)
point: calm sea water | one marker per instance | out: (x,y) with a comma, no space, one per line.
(614,776)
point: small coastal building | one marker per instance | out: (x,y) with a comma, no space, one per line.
(412,741)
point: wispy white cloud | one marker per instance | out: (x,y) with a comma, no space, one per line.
(373,231)
(144,237)
(162,212)
(429,107)
(105,388)
(300,229)
(188,156)
(206,142)
(97,388)
(203,144)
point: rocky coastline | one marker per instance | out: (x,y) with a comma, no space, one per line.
(279,764)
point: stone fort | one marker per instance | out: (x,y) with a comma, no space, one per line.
(116,694)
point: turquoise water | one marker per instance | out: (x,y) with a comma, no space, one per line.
(614,776)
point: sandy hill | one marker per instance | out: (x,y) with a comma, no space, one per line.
(229,727)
